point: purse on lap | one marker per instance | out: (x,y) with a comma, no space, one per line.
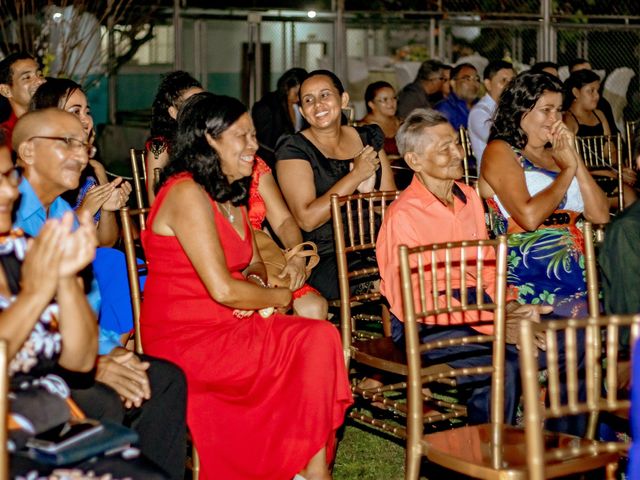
(275,259)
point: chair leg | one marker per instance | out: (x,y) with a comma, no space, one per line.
(611,471)
(412,463)
(195,460)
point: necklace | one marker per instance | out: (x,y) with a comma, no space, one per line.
(226,208)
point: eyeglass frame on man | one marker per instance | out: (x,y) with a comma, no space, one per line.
(70,142)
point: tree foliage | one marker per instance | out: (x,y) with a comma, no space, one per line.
(68,37)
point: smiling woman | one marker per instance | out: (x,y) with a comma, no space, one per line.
(324,159)
(251,409)
(537,185)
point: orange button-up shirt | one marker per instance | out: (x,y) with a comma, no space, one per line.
(416,218)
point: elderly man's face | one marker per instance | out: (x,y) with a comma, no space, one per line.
(60,152)
(441,155)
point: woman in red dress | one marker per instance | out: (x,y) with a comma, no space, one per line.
(266,203)
(266,392)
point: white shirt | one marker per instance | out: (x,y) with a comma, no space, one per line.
(480,119)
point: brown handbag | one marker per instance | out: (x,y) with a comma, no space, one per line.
(275,259)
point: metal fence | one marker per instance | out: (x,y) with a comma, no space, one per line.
(390,44)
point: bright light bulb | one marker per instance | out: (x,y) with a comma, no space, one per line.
(57,17)
(311,14)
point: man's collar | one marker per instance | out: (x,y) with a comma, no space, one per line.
(421,190)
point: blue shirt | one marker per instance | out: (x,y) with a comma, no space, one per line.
(31,217)
(480,120)
(455,109)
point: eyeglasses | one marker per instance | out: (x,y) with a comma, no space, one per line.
(13,176)
(469,78)
(71,143)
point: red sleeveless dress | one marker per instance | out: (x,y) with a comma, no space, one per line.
(264,395)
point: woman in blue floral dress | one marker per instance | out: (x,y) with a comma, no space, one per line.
(538,189)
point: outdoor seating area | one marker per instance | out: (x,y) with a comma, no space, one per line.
(374,242)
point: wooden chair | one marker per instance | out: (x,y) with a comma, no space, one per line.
(356,220)
(554,455)
(4,410)
(465,142)
(591,269)
(139,174)
(140,177)
(631,128)
(453,267)
(134,269)
(604,152)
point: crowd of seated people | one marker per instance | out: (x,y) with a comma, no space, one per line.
(240,361)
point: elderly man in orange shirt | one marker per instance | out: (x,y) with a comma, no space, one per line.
(435,208)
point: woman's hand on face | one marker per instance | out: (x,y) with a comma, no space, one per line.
(296,269)
(366,163)
(563,146)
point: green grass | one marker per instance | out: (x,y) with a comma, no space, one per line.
(368,455)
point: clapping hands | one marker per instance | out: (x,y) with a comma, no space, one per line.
(110,196)
(58,252)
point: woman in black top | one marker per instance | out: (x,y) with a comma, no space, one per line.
(328,158)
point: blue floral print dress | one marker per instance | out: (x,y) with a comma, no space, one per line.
(546,266)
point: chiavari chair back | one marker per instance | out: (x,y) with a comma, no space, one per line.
(631,127)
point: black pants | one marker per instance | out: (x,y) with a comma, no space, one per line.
(159,421)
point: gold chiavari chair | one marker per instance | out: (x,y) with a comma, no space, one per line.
(140,177)
(555,455)
(591,269)
(631,128)
(465,142)
(430,276)
(139,174)
(604,152)
(134,269)
(356,221)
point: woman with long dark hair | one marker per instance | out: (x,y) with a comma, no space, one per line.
(267,391)
(328,158)
(175,88)
(537,186)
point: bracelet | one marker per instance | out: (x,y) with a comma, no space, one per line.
(259,279)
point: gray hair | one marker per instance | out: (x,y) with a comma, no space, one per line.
(411,136)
